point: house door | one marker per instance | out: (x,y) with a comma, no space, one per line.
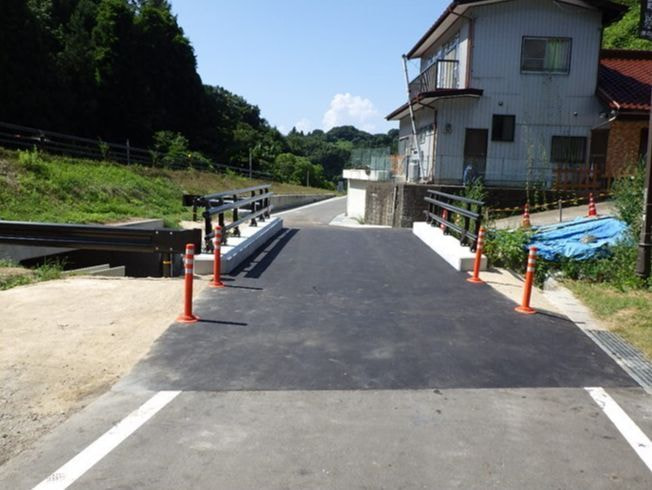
(475,154)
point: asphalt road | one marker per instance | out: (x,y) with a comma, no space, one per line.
(348,358)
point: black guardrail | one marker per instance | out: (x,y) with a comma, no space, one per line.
(464,221)
(254,201)
(94,237)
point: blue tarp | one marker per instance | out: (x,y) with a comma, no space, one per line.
(580,239)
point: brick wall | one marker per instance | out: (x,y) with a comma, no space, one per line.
(624,144)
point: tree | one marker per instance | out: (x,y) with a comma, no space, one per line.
(624,33)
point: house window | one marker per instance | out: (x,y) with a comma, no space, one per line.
(502,128)
(448,51)
(546,54)
(568,149)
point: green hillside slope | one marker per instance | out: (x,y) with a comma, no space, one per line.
(39,187)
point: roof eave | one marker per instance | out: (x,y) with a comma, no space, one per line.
(612,12)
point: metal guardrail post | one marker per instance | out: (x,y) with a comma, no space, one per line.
(253,209)
(166,265)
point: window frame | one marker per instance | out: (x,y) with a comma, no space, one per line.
(553,158)
(493,126)
(544,71)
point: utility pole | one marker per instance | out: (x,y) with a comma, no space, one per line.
(416,149)
(250,164)
(645,245)
(308,178)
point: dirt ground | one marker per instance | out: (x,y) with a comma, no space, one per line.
(65,342)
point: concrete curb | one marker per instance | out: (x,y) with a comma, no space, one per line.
(447,247)
(627,357)
(240,248)
(345,221)
(282,202)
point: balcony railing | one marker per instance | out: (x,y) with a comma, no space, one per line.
(442,74)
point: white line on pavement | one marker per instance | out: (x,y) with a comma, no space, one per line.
(80,464)
(630,431)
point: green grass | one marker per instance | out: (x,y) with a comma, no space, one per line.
(12,275)
(628,313)
(41,187)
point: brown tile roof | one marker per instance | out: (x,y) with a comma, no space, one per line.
(625,79)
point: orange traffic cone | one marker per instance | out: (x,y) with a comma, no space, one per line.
(593,212)
(525,220)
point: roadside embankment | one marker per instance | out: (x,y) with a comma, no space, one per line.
(47,188)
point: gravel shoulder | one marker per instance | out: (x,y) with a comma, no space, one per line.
(65,342)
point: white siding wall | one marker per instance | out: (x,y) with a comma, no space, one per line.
(461,26)
(544,105)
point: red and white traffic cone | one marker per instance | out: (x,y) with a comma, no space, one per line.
(529,281)
(444,215)
(478,259)
(217,259)
(525,220)
(189,268)
(593,211)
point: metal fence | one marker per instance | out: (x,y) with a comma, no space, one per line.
(241,205)
(24,138)
(461,215)
(373,159)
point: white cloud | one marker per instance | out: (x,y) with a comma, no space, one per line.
(347,109)
(303,124)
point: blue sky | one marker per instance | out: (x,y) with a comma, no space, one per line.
(309,63)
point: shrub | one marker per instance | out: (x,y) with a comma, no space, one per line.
(616,269)
(33,162)
(628,194)
(506,248)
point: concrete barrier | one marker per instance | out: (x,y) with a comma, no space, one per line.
(289,201)
(447,247)
(238,249)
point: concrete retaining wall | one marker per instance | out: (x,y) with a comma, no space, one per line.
(289,201)
(401,204)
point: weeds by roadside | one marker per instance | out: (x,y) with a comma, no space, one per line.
(628,313)
(12,275)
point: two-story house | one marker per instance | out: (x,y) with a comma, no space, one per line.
(507,91)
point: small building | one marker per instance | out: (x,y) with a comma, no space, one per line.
(507,92)
(624,85)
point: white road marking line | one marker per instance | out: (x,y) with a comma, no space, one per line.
(80,464)
(630,431)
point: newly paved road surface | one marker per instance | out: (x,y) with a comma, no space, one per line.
(356,359)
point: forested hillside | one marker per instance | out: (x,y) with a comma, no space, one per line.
(123,69)
(624,33)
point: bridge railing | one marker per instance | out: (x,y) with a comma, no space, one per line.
(164,241)
(237,206)
(460,215)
